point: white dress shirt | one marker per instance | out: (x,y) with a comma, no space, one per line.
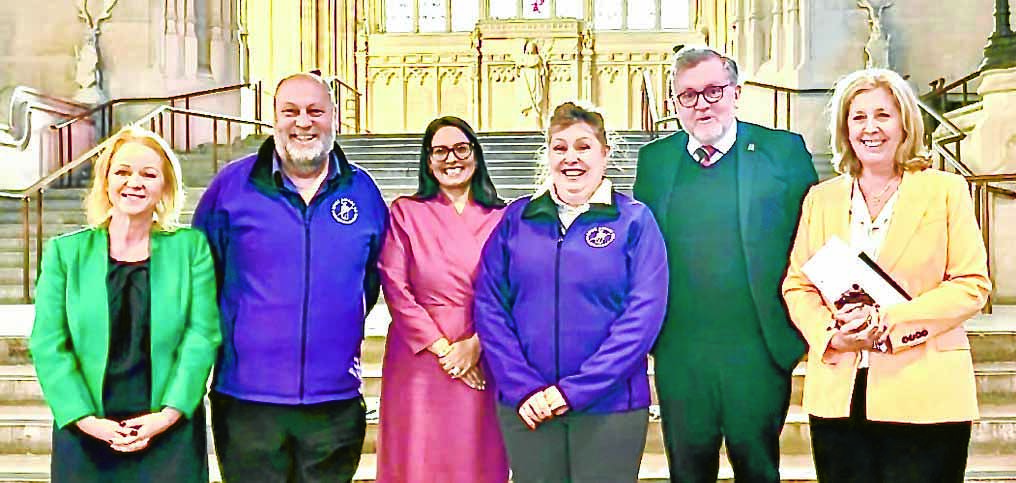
(867,235)
(723,145)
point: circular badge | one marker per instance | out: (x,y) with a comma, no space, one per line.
(599,236)
(344,211)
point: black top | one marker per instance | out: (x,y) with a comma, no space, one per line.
(127,389)
(710,297)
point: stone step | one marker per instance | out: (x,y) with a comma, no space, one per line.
(27,429)
(25,468)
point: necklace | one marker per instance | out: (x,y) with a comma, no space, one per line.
(877,198)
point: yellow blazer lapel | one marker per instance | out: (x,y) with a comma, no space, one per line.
(911,204)
(837,220)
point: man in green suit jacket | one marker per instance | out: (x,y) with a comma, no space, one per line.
(727,197)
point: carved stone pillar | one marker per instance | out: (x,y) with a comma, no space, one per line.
(776,46)
(756,37)
(586,65)
(476,47)
(740,28)
(792,31)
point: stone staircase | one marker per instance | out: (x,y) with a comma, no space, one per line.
(391,159)
(25,421)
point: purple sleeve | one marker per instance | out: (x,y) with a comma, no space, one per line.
(514,378)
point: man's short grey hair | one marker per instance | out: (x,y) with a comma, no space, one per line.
(692,55)
(309,76)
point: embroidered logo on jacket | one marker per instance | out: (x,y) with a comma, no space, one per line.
(599,236)
(344,211)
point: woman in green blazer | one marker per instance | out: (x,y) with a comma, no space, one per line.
(127,326)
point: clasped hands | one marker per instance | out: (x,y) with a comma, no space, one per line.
(460,360)
(859,327)
(129,435)
(542,406)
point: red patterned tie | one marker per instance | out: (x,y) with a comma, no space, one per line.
(705,155)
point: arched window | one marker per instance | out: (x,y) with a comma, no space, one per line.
(431,15)
(640,14)
(461,15)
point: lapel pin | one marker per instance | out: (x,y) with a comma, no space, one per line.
(751,147)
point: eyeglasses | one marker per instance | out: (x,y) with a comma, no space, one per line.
(461,150)
(712,95)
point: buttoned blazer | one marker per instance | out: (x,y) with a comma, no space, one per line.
(934,251)
(71,334)
(774,170)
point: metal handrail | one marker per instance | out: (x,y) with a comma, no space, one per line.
(336,83)
(337,80)
(649,115)
(787,91)
(31,105)
(37,189)
(939,89)
(106,115)
(147,100)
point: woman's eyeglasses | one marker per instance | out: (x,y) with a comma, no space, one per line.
(461,150)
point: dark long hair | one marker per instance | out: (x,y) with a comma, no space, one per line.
(481,188)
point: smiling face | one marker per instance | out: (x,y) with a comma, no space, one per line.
(136,181)
(304,124)
(705,120)
(874,127)
(451,173)
(578,162)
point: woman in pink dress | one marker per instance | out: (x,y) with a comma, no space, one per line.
(438,422)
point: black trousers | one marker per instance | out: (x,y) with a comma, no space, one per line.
(275,443)
(855,450)
(180,454)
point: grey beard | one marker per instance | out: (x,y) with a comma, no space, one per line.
(308,161)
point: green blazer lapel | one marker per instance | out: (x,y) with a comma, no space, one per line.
(668,175)
(747,164)
(911,204)
(91,318)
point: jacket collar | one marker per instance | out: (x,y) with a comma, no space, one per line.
(543,206)
(262,174)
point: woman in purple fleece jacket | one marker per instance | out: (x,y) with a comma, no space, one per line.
(570,297)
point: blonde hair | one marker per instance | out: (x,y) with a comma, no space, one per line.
(911,155)
(167,210)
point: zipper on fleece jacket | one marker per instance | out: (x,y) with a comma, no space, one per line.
(557,306)
(306,297)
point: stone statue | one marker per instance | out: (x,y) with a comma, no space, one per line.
(88,68)
(533,86)
(876,50)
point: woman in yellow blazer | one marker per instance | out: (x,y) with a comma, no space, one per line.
(891,391)
(126,326)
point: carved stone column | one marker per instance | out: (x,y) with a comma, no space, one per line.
(476,47)
(756,37)
(776,52)
(792,30)
(740,28)
(586,65)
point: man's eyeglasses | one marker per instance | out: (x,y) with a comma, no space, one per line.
(712,95)
(461,150)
